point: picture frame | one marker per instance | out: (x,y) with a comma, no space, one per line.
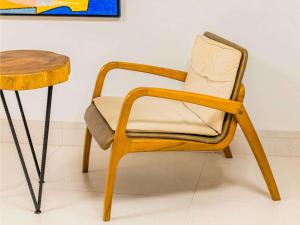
(73,8)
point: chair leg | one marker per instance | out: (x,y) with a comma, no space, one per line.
(227,152)
(86,151)
(254,142)
(110,182)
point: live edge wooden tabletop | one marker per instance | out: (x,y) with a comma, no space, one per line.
(31,69)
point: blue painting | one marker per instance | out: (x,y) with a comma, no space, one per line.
(107,8)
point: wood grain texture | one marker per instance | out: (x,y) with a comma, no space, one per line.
(159,71)
(258,151)
(31,69)
(86,152)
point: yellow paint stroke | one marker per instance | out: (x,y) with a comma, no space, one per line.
(74,5)
(6,4)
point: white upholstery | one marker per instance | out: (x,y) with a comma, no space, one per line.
(153,115)
(213,69)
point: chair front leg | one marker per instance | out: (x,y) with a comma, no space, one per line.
(86,151)
(254,142)
(115,156)
(227,152)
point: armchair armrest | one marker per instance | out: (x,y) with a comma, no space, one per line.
(221,104)
(164,72)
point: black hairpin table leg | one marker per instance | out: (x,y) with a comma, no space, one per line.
(28,134)
(19,150)
(40,171)
(45,145)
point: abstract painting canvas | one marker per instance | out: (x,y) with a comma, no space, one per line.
(101,8)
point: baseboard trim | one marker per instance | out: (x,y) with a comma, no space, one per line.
(281,143)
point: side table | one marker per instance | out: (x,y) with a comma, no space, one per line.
(26,70)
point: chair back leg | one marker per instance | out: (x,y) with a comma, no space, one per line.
(227,152)
(86,151)
(254,142)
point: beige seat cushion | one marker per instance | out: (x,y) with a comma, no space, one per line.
(153,115)
(212,71)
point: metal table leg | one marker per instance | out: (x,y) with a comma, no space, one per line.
(40,171)
(45,145)
(28,134)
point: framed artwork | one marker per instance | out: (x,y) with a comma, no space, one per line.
(99,8)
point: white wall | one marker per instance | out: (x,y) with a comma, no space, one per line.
(162,33)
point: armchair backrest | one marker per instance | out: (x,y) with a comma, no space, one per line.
(242,65)
(216,68)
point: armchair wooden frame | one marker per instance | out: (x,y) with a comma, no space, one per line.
(123,144)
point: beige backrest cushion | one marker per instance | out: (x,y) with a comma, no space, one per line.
(212,71)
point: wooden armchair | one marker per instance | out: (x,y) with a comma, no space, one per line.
(126,140)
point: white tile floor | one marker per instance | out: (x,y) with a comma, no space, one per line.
(152,188)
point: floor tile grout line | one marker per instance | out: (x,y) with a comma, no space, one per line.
(195,189)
